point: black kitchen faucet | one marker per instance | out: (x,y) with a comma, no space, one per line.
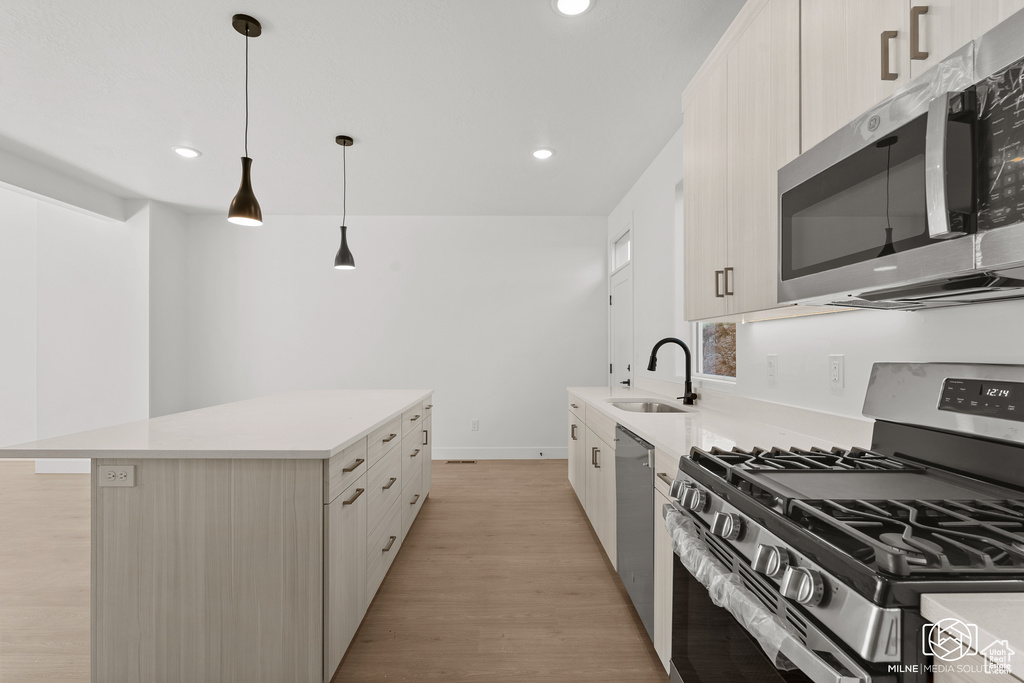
(688,397)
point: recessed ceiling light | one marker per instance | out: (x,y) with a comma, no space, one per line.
(188,152)
(543,154)
(571,8)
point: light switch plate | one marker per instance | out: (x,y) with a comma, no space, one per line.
(835,371)
(117,475)
(773,366)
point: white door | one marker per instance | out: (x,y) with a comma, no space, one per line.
(622,327)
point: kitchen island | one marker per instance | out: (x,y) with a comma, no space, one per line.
(234,543)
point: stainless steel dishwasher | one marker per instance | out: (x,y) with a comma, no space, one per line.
(634,516)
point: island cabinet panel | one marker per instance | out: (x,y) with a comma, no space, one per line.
(345,597)
(209,570)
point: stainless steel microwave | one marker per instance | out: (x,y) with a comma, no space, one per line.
(919,202)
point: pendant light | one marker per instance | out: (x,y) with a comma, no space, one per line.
(245,210)
(344,260)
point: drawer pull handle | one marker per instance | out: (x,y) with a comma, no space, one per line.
(718,283)
(351,500)
(595,451)
(572,432)
(414,453)
(915,32)
(391,482)
(426,439)
(389,438)
(725,277)
(414,499)
(414,418)
(391,542)
(575,406)
(664,478)
(429,406)
(353,466)
(886,74)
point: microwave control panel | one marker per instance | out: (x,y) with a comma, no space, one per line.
(1001,147)
(1004,400)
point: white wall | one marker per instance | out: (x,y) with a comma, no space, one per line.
(980,333)
(496,314)
(167,315)
(75,321)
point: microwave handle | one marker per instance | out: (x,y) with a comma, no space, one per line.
(935,168)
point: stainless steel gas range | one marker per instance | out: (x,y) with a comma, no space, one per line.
(809,565)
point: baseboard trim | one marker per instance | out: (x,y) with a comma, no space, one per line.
(63,465)
(501,453)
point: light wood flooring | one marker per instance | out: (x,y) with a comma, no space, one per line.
(500,579)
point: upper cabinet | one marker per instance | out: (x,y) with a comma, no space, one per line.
(854,53)
(741,122)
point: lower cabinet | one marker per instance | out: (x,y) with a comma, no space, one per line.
(577,457)
(600,483)
(663,559)
(345,594)
(386,478)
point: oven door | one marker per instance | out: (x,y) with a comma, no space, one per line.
(727,639)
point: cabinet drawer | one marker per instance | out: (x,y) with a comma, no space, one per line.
(412,453)
(344,468)
(412,418)
(381,547)
(576,407)
(412,501)
(601,424)
(384,486)
(382,440)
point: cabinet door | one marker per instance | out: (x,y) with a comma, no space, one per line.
(345,599)
(600,483)
(764,134)
(841,60)
(663,559)
(428,453)
(705,197)
(950,24)
(577,458)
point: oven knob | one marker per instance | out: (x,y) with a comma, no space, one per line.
(694,499)
(677,488)
(803,585)
(771,560)
(727,525)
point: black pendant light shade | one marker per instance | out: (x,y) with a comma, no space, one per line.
(244,209)
(344,259)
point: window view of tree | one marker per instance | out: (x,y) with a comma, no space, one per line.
(718,349)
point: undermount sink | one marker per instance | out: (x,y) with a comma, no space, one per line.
(646,407)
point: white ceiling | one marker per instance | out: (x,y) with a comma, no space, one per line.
(446,99)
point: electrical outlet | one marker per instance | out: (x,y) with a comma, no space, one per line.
(474,426)
(117,475)
(773,366)
(835,371)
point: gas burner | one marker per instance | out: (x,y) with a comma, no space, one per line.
(905,538)
(799,459)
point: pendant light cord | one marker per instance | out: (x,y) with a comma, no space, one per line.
(344,185)
(247,90)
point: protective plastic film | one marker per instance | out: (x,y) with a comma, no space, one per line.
(726,589)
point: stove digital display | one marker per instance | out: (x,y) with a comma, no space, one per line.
(981,397)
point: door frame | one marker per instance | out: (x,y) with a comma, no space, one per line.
(612,272)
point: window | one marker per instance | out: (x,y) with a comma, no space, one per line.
(621,251)
(716,349)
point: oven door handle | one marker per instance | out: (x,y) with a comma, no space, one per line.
(726,590)
(936,200)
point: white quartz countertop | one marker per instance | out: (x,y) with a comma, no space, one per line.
(699,426)
(300,424)
(997,616)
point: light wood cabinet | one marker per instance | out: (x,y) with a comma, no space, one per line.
(600,483)
(577,458)
(345,598)
(741,123)
(663,560)
(428,451)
